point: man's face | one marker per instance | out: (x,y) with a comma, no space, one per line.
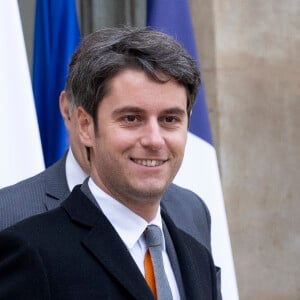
(138,145)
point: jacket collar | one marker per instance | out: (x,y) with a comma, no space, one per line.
(56,186)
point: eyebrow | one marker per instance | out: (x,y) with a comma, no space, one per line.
(127,109)
(135,109)
(176,111)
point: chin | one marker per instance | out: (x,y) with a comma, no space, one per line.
(155,192)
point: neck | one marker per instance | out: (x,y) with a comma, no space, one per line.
(147,211)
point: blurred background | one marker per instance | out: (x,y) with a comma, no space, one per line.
(250,62)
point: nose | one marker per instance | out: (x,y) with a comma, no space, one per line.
(152,136)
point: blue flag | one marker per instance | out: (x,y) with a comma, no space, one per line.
(55,39)
(173,18)
(199,170)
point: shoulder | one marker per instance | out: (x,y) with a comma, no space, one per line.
(33,184)
(36,229)
(184,200)
(189,213)
(26,197)
(175,193)
(47,232)
(21,200)
(22,188)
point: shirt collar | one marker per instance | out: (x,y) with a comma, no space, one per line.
(74,173)
(128,224)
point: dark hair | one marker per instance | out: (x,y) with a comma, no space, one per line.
(104,53)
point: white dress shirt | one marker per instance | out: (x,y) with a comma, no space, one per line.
(74,173)
(130,228)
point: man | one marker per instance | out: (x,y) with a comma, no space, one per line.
(133,91)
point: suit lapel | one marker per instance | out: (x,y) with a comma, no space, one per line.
(174,261)
(105,244)
(56,186)
(196,264)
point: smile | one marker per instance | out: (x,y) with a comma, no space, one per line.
(149,162)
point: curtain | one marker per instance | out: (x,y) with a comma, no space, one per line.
(97,14)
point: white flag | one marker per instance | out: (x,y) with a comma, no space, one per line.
(20,151)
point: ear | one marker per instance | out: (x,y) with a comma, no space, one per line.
(64,108)
(189,119)
(85,127)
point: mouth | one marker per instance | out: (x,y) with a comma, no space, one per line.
(149,162)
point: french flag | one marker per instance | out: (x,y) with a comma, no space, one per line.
(199,171)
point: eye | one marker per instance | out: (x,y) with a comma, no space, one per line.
(170,119)
(130,118)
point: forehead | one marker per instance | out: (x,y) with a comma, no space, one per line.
(135,87)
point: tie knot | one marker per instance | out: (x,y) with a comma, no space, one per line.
(153,236)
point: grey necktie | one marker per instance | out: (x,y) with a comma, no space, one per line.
(153,238)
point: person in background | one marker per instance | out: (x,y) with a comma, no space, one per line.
(128,99)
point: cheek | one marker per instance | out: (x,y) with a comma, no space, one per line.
(178,142)
(115,143)
(123,136)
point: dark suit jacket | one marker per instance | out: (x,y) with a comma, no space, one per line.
(47,190)
(73,252)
